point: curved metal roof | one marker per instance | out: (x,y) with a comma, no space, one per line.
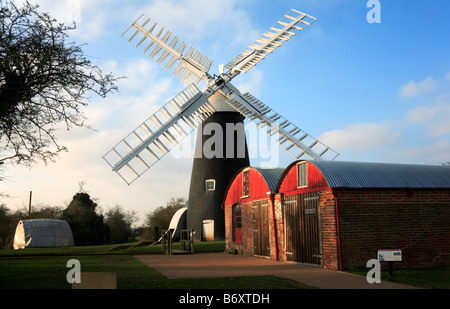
(271,176)
(340,174)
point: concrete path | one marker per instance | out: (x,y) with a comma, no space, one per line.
(203,265)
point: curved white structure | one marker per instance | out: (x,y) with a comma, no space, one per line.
(42,233)
(178,223)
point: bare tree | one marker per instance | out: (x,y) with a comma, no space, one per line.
(44,82)
(120,224)
(160,217)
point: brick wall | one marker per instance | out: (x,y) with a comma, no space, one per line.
(418,222)
(329,230)
(246,245)
(277,200)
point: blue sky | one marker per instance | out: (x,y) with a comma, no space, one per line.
(376,92)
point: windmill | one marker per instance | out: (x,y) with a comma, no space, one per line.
(218,103)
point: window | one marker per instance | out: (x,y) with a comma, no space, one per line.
(237,223)
(210,185)
(302,173)
(245,183)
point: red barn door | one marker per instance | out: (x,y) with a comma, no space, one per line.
(302,228)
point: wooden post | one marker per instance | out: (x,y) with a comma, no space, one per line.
(166,241)
(29,204)
(170,241)
(163,242)
(187,237)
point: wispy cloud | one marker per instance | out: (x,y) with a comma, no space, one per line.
(414,89)
(323,4)
(196,20)
(251,82)
(435,116)
(428,121)
(434,152)
(362,138)
(90,16)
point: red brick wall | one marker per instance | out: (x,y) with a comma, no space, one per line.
(328,223)
(279,254)
(246,244)
(329,230)
(418,222)
(258,191)
(276,237)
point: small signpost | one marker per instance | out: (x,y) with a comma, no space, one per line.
(389,255)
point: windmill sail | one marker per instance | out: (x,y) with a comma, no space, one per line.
(291,24)
(156,136)
(295,141)
(168,50)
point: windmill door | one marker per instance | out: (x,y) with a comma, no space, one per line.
(260,217)
(208,230)
(302,228)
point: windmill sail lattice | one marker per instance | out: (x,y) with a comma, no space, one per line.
(156,136)
(285,29)
(294,140)
(168,50)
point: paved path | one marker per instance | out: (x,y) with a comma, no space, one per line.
(204,265)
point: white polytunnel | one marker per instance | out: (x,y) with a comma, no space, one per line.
(42,233)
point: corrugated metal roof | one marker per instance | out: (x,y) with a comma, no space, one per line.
(340,174)
(271,175)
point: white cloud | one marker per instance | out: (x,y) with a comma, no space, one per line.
(141,92)
(434,153)
(428,123)
(414,89)
(90,16)
(323,4)
(362,138)
(435,117)
(251,82)
(199,19)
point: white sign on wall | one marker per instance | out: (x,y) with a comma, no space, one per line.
(389,255)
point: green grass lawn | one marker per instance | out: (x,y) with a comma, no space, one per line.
(45,268)
(50,273)
(34,268)
(214,246)
(429,278)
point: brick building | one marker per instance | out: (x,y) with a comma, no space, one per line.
(338,214)
(249,204)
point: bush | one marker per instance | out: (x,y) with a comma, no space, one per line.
(119,223)
(87,226)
